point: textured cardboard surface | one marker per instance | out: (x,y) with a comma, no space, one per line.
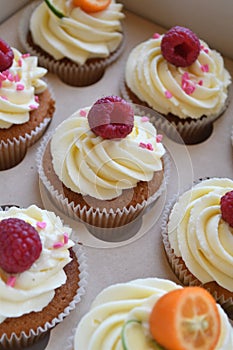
(142,257)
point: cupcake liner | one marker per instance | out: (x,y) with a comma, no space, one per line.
(189,131)
(102,219)
(25,340)
(13,151)
(69,72)
(179,267)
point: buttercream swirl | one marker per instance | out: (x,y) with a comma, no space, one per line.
(199,235)
(18,87)
(101,327)
(102,168)
(197,90)
(78,35)
(35,288)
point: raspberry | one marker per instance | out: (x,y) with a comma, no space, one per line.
(180,46)
(226,204)
(6,56)
(20,245)
(111,117)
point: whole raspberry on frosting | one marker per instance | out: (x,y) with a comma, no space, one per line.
(226,205)
(20,245)
(111,117)
(180,46)
(6,56)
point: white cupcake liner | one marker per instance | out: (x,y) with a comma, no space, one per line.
(183,274)
(188,131)
(69,72)
(25,340)
(99,219)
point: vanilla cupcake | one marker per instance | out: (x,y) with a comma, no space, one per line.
(182,78)
(26,104)
(120,317)
(72,41)
(104,165)
(197,236)
(41,280)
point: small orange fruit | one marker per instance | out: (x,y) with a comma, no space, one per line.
(186,319)
(92,5)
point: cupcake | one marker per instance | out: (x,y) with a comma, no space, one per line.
(77,40)
(42,274)
(103,165)
(26,104)
(197,237)
(141,313)
(181,78)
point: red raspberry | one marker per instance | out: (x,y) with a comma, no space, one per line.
(20,245)
(6,56)
(226,204)
(111,117)
(180,46)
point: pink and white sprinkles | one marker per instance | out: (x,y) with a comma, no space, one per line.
(8,76)
(61,244)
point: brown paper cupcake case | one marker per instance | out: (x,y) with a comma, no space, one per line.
(13,151)
(68,71)
(185,131)
(179,268)
(25,340)
(96,217)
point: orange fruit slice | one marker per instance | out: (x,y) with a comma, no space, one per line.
(92,5)
(186,319)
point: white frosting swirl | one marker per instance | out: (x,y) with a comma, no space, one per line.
(35,288)
(101,168)
(199,235)
(18,87)
(194,91)
(100,328)
(79,35)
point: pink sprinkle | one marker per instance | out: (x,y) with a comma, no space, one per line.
(200,82)
(145,119)
(19,87)
(36,98)
(156,36)
(149,147)
(6,73)
(187,85)
(17,78)
(205,68)
(185,76)
(168,94)
(204,49)
(66,238)
(146,146)
(159,138)
(58,245)
(4,98)
(41,224)
(20,62)
(25,55)
(83,113)
(11,281)
(142,145)
(11,77)
(33,107)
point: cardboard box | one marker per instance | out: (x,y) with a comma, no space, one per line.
(11,7)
